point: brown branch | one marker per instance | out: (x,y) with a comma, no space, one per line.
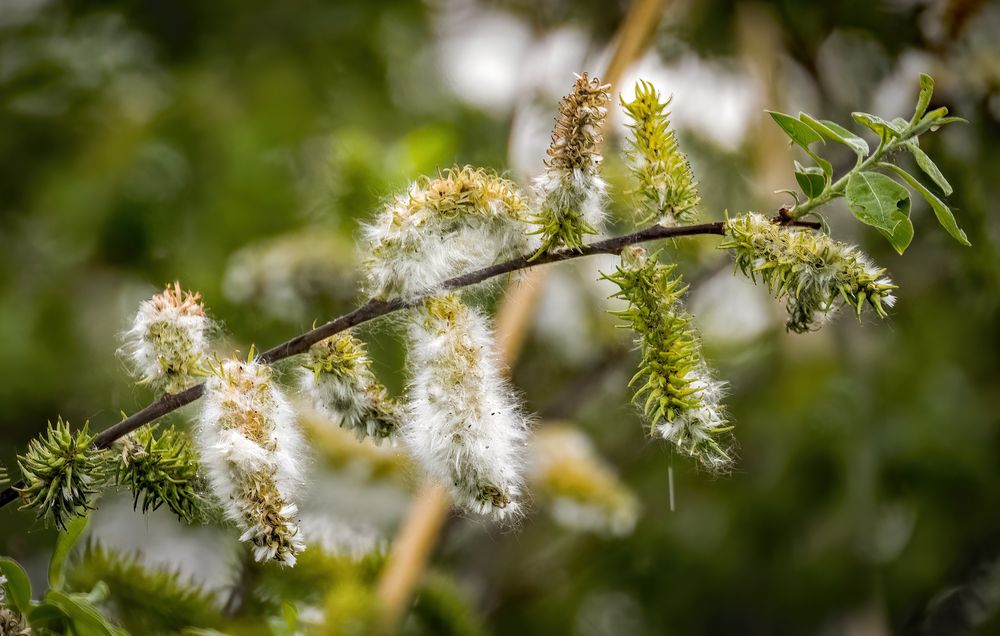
(376,308)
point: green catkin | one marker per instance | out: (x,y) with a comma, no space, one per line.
(62,472)
(666,187)
(161,471)
(813,272)
(676,392)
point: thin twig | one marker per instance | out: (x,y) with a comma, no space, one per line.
(376,308)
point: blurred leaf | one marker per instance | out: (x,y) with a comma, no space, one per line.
(87,621)
(45,616)
(943,213)
(877,200)
(64,544)
(18,585)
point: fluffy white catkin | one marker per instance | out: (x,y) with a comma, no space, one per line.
(168,339)
(463,423)
(465,219)
(252,450)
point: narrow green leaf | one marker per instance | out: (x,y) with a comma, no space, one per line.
(929,168)
(64,544)
(803,135)
(877,200)
(951,120)
(18,585)
(924,98)
(932,120)
(811,180)
(943,213)
(798,131)
(884,129)
(87,621)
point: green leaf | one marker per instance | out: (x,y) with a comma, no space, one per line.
(64,544)
(929,168)
(943,213)
(18,585)
(877,200)
(838,133)
(884,129)
(933,119)
(924,98)
(811,180)
(87,621)
(803,135)
(798,131)
(47,616)
(951,120)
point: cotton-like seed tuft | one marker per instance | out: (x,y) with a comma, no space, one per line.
(463,423)
(168,340)
(568,196)
(465,219)
(251,447)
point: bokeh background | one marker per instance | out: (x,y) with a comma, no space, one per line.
(236,146)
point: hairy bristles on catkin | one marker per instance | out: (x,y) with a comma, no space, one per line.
(168,339)
(813,272)
(675,388)
(568,196)
(465,219)
(252,450)
(463,422)
(337,378)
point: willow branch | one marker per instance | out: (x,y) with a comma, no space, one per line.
(376,308)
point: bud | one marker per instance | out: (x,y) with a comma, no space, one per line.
(666,186)
(569,194)
(678,393)
(336,375)
(252,451)
(465,219)
(464,425)
(168,339)
(815,273)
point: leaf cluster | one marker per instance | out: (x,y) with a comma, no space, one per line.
(875,198)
